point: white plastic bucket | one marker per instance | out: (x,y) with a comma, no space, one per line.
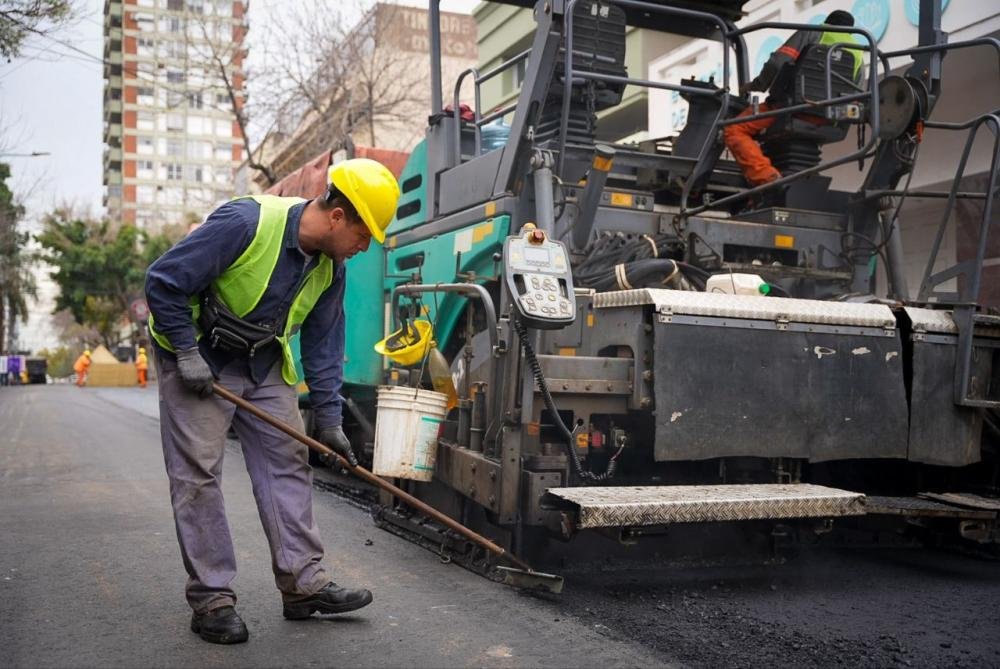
(406,430)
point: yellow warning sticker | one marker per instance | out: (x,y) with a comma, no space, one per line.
(489,209)
(621,199)
(602,164)
(582,440)
(567,351)
(784,241)
(480,232)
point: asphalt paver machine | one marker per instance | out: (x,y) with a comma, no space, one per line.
(640,340)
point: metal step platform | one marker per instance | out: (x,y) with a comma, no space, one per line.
(635,506)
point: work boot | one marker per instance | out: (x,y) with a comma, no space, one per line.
(222,625)
(331,599)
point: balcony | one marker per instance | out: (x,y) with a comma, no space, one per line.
(112,110)
(113,154)
(114,81)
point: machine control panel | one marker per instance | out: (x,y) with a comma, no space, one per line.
(540,279)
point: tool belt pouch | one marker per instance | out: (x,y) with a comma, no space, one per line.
(228,332)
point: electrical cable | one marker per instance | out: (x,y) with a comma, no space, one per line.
(584,475)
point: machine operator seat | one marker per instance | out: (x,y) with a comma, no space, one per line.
(793,142)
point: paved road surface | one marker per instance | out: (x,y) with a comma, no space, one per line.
(90,573)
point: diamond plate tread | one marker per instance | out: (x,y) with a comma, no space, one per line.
(964,499)
(939,321)
(654,505)
(751,307)
(919,507)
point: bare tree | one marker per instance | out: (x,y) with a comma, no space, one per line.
(21,18)
(344,72)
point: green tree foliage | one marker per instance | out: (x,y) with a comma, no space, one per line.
(60,361)
(19,19)
(17,284)
(99,269)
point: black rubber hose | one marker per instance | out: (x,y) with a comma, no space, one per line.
(584,475)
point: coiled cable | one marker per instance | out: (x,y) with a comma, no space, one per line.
(584,475)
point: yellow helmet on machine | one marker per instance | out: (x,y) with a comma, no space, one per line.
(371,190)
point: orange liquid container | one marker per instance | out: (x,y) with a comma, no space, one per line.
(441,379)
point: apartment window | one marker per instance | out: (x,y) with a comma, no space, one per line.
(196,125)
(223,128)
(146,3)
(175,148)
(223,152)
(194,100)
(145,121)
(222,100)
(144,47)
(196,6)
(173,24)
(174,99)
(114,192)
(145,146)
(173,195)
(175,76)
(144,169)
(195,173)
(223,175)
(145,194)
(145,96)
(175,5)
(199,149)
(223,7)
(173,172)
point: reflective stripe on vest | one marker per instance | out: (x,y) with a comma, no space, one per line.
(831,38)
(244,282)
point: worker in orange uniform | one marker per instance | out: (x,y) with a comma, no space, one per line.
(81,366)
(740,138)
(141,365)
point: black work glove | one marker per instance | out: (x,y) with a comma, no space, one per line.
(195,372)
(335,438)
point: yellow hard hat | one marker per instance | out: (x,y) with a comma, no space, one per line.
(371,189)
(142,350)
(408,345)
(87,353)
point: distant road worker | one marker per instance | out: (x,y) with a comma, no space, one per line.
(81,366)
(225,303)
(141,365)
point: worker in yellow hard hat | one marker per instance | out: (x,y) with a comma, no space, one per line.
(224,304)
(141,366)
(81,366)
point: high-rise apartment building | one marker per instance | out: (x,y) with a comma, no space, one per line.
(172,140)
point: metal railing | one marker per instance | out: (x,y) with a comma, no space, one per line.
(480,121)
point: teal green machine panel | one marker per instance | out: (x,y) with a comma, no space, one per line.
(476,243)
(364,312)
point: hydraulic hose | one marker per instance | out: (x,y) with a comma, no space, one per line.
(584,475)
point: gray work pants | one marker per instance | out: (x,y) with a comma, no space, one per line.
(193,431)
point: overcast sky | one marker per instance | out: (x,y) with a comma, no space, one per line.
(51,101)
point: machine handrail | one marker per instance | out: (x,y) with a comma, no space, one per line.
(648,7)
(480,121)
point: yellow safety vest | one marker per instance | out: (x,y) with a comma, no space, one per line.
(243,283)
